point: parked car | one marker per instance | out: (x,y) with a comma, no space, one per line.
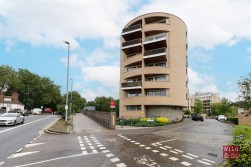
(36,111)
(221,118)
(23,112)
(197,117)
(11,119)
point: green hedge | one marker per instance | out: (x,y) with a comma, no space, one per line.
(244,143)
(233,120)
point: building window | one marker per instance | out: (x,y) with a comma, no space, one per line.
(157,78)
(133,94)
(158,64)
(133,108)
(158,92)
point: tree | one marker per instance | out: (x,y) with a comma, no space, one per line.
(8,80)
(245,89)
(103,103)
(198,107)
(224,107)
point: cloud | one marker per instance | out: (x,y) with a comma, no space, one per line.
(200,56)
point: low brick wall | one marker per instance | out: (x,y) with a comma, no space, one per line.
(106,119)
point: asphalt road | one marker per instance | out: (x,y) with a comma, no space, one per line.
(183,144)
(12,138)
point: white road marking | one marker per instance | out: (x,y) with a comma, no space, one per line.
(163,148)
(84,152)
(102,148)
(173,159)
(48,160)
(115,159)
(82,145)
(89,144)
(94,151)
(204,162)
(106,151)
(121,165)
(92,147)
(148,148)
(186,163)
(82,148)
(168,147)
(100,145)
(137,143)
(173,152)
(155,151)
(22,154)
(80,142)
(142,145)
(167,140)
(163,154)
(109,155)
(187,156)
(1,163)
(133,141)
(179,150)
(204,159)
(23,125)
(192,155)
(128,139)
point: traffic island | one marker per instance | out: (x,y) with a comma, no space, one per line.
(60,127)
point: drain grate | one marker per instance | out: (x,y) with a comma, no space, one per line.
(213,154)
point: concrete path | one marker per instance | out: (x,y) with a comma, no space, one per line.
(83,123)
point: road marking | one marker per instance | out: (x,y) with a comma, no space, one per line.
(80,142)
(186,163)
(121,165)
(100,145)
(115,159)
(137,143)
(148,148)
(173,159)
(167,140)
(204,162)
(24,124)
(92,147)
(84,152)
(109,155)
(102,148)
(155,151)
(22,154)
(168,147)
(164,154)
(173,152)
(204,159)
(163,148)
(82,145)
(106,151)
(192,155)
(48,160)
(1,163)
(179,150)
(142,145)
(187,156)
(133,141)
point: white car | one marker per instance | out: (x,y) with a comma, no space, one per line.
(11,119)
(222,118)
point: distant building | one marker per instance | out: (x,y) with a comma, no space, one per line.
(10,102)
(90,108)
(207,99)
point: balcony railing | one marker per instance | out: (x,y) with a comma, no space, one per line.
(131,84)
(132,42)
(155,37)
(131,28)
(155,51)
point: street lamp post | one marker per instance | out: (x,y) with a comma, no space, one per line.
(66,101)
(71,95)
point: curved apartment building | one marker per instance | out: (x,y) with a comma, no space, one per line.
(153,67)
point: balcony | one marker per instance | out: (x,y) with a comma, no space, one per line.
(131,85)
(132,46)
(132,32)
(155,55)
(155,41)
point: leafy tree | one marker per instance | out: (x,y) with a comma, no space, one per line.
(245,89)
(224,107)
(8,80)
(198,107)
(91,103)
(103,103)
(78,102)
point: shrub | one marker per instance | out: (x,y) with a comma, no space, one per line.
(161,121)
(233,120)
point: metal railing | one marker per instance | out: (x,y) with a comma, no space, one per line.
(155,51)
(102,121)
(131,42)
(134,27)
(131,84)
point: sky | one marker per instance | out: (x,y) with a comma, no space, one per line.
(32,34)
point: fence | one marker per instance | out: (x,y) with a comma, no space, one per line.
(106,119)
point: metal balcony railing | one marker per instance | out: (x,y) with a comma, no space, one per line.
(132,42)
(155,51)
(131,84)
(131,28)
(155,37)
